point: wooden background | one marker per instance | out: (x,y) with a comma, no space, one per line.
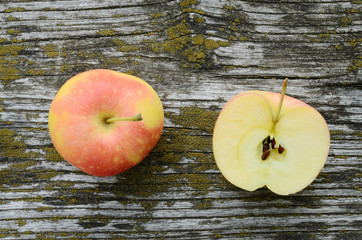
(196,54)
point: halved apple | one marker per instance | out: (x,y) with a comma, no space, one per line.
(259,141)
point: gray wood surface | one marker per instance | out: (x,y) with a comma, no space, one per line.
(196,54)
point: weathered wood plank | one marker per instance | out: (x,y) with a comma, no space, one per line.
(197,55)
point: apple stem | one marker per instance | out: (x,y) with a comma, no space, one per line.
(284,89)
(137,117)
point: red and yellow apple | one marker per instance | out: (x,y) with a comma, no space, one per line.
(270,139)
(105,122)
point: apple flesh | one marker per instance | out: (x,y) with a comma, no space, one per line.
(260,141)
(105,122)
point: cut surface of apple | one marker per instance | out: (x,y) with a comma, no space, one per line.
(255,146)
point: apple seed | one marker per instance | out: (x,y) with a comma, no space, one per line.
(265,154)
(280,149)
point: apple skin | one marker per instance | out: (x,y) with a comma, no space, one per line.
(78,128)
(300,128)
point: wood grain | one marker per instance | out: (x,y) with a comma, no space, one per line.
(197,55)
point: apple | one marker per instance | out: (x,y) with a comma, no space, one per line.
(105,122)
(269,139)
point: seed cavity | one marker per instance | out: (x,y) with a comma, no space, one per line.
(268,145)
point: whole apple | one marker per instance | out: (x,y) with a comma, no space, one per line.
(259,141)
(105,122)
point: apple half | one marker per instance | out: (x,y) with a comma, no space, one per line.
(270,139)
(105,122)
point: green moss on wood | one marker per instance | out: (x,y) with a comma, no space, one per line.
(51,50)
(106,33)
(12,19)
(21,166)
(21,222)
(354,42)
(112,61)
(65,68)
(52,155)
(43,209)
(355,66)
(2,107)
(8,70)
(176,44)
(353,10)
(157,15)
(345,21)
(203,203)
(11,50)
(186,3)
(30,116)
(211,44)
(123,46)
(12,146)
(46,174)
(194,117)
(88,220)
(14,9)
(47,9)
(35,72)
(339,47)
(13,32)
(198,19)
(194,49)
(178,30)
